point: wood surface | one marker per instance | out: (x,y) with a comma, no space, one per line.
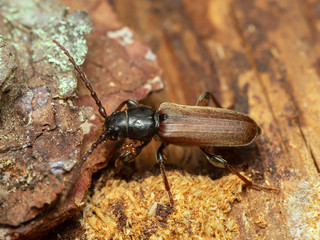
(262,57)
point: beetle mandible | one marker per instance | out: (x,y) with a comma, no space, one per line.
(183,125)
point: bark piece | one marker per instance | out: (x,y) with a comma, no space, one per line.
(42,122)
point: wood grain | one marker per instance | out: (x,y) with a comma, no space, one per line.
(262,57)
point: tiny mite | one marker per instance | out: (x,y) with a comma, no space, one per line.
(183,125)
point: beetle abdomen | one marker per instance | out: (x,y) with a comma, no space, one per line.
(206,126)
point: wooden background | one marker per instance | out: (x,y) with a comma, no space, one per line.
(263,58)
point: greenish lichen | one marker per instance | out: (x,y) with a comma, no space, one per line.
(7,66)
(39,23)
(67,83)
(70,34)
(32,13)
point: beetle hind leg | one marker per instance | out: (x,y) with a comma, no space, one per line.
(222,163)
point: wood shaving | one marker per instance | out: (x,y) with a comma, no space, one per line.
(132,210)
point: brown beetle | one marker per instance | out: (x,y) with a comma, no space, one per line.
(199,125)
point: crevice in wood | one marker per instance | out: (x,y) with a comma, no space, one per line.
(314,159)
(308,147)
(250,56)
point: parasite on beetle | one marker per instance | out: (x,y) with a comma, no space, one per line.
(183,125)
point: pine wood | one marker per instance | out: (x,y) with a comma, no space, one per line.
(263,57)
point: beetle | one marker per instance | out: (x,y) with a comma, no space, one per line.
(172,123)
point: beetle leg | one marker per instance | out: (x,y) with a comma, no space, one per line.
(205,98)
(129,103)
(117,166)
(128,151)
(161,159)
(126,154)
(222,163)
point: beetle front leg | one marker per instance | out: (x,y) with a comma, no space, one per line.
(129,103)
(222,163)
(127,153)
(161,159)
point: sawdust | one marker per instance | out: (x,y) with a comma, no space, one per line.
(140,209)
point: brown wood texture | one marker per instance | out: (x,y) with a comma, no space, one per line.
(262,57)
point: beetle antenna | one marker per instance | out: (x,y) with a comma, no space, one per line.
(76,172)
(83,77)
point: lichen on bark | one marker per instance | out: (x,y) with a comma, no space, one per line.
(40,129)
